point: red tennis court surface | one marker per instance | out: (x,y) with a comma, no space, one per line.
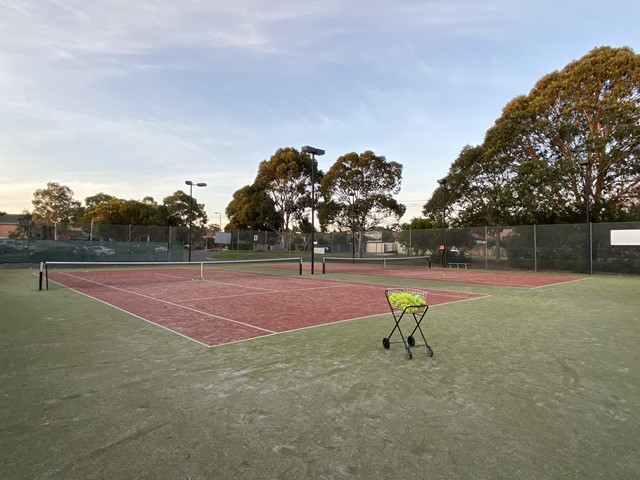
(456,275)
(230,310)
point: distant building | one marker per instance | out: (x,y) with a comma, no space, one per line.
(8,223)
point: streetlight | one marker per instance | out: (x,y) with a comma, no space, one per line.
(191,184)
(443,184)
(586,164)
(220,219)
(219,223)
(91,230)
(313,152)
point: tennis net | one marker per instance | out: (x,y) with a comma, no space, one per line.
(74,274)
(367,265)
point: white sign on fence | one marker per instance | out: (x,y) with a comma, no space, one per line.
(223,237)
(625,237)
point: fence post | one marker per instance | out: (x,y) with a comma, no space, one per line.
(486,247)
(590,261)
(535,248)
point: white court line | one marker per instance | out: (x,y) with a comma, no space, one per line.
(170,303)
(561,283)
(337,322)
(249,294)
(328,284)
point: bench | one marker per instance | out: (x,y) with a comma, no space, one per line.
(458,264)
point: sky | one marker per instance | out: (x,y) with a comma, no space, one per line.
(133,97)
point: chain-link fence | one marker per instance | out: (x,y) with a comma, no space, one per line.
(572,247)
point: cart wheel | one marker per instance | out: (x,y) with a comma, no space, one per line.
(409,354)
(411,341)
(386,343)
(429,352)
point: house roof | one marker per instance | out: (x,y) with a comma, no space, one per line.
(10,219)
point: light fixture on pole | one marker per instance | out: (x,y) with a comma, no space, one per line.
(191,184)
(313,152)
(586,164)
(443,184)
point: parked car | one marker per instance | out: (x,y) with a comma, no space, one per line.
(7,245)
(59,253)
(140,248)
(24,246)
(101,251)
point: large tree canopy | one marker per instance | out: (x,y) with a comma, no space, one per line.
(95,200)
(579,128)
(278,196)
(174,211)
(116,211)
(179,205)
(54,204)
(285,178)
(358,191)
(252,209)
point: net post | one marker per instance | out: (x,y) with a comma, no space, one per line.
(44,275)
(300,266)
(201,270)
(324,265)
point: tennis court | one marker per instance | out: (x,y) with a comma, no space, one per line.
(524,383)
(229,305)
(418,268)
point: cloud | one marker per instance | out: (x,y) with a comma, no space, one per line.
(122,93)
(119,27)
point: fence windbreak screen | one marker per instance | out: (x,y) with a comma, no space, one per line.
(102,274)
(578,248)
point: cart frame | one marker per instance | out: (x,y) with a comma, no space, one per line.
(417,312)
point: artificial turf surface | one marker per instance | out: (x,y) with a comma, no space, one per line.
(524,383)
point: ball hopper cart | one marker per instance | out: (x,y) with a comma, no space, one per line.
(415,312)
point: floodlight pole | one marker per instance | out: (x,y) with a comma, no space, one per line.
(584,162)
(191,184)
(443,184)
(313,152)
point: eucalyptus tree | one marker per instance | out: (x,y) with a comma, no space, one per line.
(577,131)
(278,197)
(54,204)
(94,200)
(117,211)
(358,192)
(252,209)
(285,178)
(177,208)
